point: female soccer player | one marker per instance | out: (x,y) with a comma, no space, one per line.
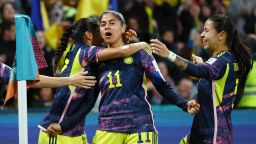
(68,100)
(222,81)
(125,116)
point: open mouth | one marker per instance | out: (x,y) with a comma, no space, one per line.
(204,41)
(108,34)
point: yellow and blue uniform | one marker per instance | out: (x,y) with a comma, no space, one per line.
(219,77)
(249,98)
(125,115)
(69,99)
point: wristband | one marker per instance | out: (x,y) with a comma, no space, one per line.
(172,56)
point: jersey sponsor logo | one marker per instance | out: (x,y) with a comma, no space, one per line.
(211,61)
(128,60)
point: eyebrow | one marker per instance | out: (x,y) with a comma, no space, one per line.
(111,20)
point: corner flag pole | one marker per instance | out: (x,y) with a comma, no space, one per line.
(22,112)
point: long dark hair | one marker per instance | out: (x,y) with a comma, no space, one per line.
(241,52)
(76,32)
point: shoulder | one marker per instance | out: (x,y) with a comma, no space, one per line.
(227,57)
(224,57)
(97,48)
(81,46)
(146,52)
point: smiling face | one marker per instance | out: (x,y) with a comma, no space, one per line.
(111,29)
(209,36)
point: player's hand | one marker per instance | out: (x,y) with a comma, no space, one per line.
(193,107)
(197,59)
(54,129)
(159,48)
(129,35)
(81,80)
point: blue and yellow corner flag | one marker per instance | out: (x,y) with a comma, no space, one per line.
(29,57)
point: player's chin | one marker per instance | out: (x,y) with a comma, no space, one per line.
(108,40)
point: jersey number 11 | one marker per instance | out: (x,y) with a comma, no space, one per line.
(118,79)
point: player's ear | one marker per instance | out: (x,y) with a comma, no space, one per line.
(123,28)
(88,36)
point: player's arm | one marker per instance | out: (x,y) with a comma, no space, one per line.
(80,80)
(95,54)
(120,52)
(214,68)
(5,73)
(87,106)
(152,71)
(69,123)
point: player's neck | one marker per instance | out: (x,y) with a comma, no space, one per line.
(118,43)
(220,49)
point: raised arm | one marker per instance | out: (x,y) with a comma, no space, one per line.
(213,69)
(120,52)
(160,49)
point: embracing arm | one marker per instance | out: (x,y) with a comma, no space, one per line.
(120,52)
(80,80)
(160,49)
(69,123)
(211,70)
(87,105)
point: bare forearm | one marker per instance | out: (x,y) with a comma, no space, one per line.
(50,82)
(181,63)
(121,52)
(160,49)
(130,49)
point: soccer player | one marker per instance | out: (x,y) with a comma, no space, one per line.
(68,100)
(125,116)
(222,81)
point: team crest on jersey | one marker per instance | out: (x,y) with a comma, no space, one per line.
(211,61)
(128,60)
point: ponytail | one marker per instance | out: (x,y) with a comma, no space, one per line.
(242,54)
(244,60)
(62,47)
(76,33)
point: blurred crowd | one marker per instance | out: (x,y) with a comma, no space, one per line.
(177,23)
